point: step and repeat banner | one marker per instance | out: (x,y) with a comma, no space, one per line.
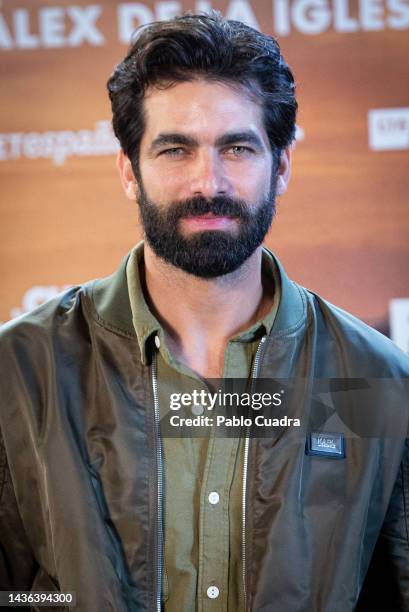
(342,228)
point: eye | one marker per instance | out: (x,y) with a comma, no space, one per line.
(173,152)
(240,150)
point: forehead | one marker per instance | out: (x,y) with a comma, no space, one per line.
(201,108)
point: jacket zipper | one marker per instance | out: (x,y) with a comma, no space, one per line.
(256,367)
(159,463)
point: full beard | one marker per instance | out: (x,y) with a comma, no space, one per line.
(208,253)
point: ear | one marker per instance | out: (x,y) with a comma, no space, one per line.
(284,171)
(127,176)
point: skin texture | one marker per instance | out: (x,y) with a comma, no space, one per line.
(195,161)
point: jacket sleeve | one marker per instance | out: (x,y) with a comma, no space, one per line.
(386,585)
(18,566)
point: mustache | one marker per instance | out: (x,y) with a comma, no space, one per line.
(219,205)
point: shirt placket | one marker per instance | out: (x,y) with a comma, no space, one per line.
(214,527)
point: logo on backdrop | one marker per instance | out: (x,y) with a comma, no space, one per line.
(399,322)
(72,26)
(59,146)
(388,129)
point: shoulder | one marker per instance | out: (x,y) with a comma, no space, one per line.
(44,317)
(70,320)
(34,334)
(356,340)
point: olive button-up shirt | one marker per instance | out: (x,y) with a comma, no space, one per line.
(203,569)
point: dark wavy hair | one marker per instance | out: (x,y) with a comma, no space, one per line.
(210,47)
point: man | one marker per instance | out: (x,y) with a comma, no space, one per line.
(96,498)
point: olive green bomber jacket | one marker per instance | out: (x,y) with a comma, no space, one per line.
(79,473)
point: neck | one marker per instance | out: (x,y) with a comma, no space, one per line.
(215,309)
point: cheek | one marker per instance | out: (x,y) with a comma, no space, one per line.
(252,181)
(161,184)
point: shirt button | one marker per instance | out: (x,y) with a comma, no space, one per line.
(213,592)
(157,341)
(197,409)
(214,497)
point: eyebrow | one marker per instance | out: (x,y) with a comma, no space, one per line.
(247,136)
(176,138)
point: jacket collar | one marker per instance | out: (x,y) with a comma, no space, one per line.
(112,309)
(292,310)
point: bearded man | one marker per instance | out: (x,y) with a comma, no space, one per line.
(95,499)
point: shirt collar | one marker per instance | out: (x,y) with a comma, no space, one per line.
(146,324)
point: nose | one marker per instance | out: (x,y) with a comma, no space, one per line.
(208,177)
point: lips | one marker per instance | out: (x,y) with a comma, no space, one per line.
(207,221)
